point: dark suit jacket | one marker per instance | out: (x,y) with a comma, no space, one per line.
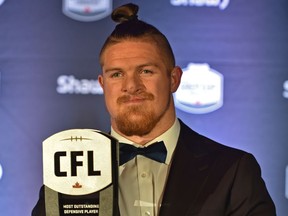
(209,179)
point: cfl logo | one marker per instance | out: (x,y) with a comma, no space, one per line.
(1,171)
(285,89)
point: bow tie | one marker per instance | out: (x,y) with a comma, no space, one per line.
(156,151)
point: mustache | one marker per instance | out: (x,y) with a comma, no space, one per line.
(142,96)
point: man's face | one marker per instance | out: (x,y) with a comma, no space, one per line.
(137,87)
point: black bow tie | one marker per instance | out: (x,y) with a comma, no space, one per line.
(156,151)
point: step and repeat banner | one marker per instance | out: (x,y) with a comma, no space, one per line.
(234,55)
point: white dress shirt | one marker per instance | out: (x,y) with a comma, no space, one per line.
(142,180)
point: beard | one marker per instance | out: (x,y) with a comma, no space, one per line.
(137,120)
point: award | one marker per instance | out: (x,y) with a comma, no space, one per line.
(80,173)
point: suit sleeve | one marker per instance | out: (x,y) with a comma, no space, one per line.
(39,209)
(249,195)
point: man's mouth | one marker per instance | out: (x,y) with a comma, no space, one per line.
(127,99)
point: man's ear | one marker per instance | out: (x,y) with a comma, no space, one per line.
(100,80)
(176,75)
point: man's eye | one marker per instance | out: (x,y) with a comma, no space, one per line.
(146,71)
(115,75)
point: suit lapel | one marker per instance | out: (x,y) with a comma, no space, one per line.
(188,175)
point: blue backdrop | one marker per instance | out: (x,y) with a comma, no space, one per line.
(49,68)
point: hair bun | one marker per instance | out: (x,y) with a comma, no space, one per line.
(125,13)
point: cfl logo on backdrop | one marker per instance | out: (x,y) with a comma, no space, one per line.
(1,172)
(222,4)
(200,91)
(1,2)
(285,89)
(87,10)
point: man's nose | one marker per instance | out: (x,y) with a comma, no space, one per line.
(132,83)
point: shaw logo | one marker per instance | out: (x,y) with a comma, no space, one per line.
(200,90)
(285,89)
(68,84)
(87,10)
(222,4)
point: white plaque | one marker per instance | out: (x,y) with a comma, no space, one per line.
(80,166)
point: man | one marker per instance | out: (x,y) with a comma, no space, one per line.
(197,176)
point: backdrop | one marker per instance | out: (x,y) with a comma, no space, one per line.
(234,89)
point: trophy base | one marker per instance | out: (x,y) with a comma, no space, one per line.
(95,204)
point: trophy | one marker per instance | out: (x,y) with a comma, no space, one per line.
(80,173)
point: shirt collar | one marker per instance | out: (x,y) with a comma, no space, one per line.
(169,137)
